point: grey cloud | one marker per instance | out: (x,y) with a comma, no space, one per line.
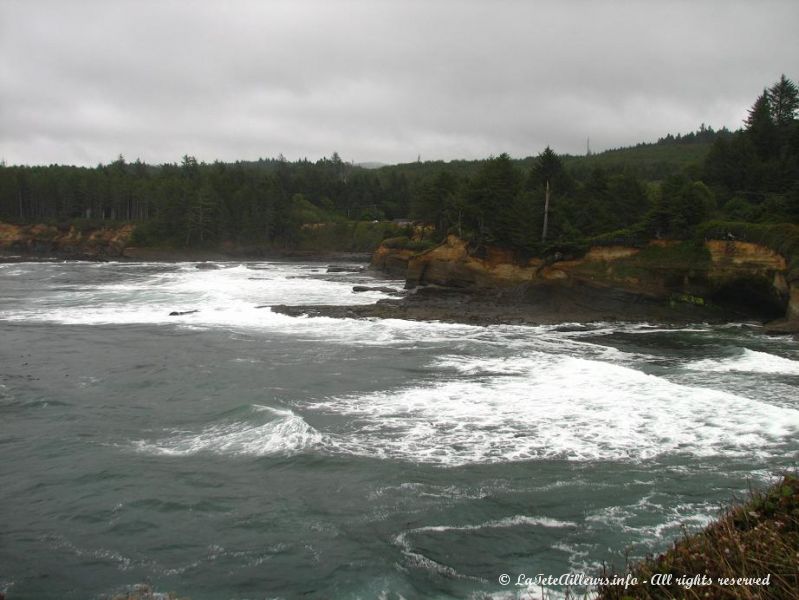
(81,82)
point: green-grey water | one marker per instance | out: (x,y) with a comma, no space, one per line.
(237,453)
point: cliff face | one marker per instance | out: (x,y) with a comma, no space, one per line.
(738,266)
(50,240)
(452,264)
(393,261)
(745,276)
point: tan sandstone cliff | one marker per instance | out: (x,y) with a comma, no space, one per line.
(67,241)
(733,272)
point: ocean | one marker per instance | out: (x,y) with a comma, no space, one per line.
(237,453)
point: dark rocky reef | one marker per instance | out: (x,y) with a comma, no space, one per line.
(524,304)
(345,269)
(377,288)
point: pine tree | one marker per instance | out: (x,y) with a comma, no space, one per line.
(546,169)
(760,112)
(783,98)
(760,124)
(491,195)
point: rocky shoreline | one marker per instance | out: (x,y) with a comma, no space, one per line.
(179,255)
(51,243)
(455,283)
(675,282)
(521,305)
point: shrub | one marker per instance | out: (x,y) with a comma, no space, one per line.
(403,242)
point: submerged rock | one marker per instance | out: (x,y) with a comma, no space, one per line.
(206,266)
(179,313)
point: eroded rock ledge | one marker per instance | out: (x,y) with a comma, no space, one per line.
(720,277)
(524,304)
(65,241)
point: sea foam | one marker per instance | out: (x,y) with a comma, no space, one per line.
(286,435)
(546,406)
(749,361)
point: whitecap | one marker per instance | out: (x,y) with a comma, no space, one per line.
(554,407)
(749,361)
(287,435)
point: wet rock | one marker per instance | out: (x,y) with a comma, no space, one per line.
(206,266)
(529,304)
(782,327)
(178,313)
(571,328)
(374,288)
(344,269)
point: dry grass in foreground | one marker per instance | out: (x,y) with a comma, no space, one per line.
(758,540)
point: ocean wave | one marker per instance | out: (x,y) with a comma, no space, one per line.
(286,435)
(749,361)
(554,407)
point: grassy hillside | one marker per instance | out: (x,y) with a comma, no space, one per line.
(647,161)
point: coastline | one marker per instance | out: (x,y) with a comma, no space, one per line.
(522,305)
(550,302)
(168,255)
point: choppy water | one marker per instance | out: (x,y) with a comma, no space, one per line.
(238,453)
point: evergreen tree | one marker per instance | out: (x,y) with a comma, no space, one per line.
(783,99)
(760,125)
(682,205)
(546,169)
(435,200)
(491,197)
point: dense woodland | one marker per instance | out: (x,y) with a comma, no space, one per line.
(663,190)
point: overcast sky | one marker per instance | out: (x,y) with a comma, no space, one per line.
(379,80)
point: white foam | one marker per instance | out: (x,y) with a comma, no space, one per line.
(287,435)
(749,361)
(513,521)
(549,406)
(137,295)
(416,559)
(506,393)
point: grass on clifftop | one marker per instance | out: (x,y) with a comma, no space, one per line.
(754,540)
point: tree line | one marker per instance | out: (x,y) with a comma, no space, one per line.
(748,175)
(192,203)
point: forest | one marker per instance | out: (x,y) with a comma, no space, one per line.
(665,189)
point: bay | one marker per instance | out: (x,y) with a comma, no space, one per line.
(237,453)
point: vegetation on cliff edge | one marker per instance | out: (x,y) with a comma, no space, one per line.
(756,539)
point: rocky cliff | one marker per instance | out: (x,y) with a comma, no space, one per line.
(748,278)
(64,241)
(393,261)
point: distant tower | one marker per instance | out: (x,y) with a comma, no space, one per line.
(588,146)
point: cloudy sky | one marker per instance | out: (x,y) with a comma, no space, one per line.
(381,80)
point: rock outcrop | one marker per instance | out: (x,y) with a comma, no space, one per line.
(376,288)
(744,277)
(65,241)
(393,261)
